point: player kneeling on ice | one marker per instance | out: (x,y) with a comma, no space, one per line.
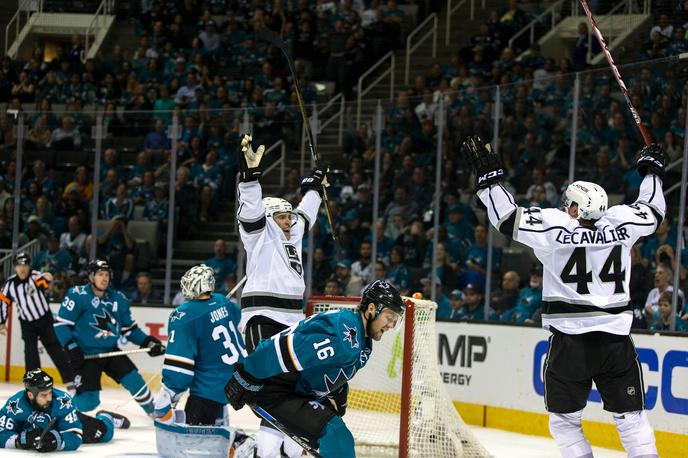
(300,375)
(42,418)
(586,255)
(91,320)
(203,346)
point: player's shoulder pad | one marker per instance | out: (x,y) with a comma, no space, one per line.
(233,308)
(79,290)
(555,217)
(17,404)
(62,401)
(348,330)
(117,295)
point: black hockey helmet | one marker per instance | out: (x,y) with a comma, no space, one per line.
(37,380)
(97,265)
(22,258)
(383,295)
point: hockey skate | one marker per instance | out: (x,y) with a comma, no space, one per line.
(120,421)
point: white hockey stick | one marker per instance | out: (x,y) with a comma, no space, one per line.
(236,287)
(111,354)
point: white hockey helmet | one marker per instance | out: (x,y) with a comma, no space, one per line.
(590,197)
(274,205)
(197,281)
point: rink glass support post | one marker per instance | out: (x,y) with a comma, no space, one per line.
(376,180)
(17,182)
(496,111)
(97,133)
(574,128)
(315,129)
(173,133)
(681,220)
(437,199)
(407,369)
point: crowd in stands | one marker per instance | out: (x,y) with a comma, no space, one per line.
(333,42)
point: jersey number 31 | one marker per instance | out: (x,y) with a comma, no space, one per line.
(610,273)
(221,332)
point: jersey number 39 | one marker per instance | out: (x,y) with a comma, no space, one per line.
(221,332)
(610,273)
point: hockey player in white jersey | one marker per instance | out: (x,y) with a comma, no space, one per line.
(272,232)
(585,252)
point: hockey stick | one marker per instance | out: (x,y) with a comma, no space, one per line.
(112,354)
(236,287)
(262,413)
(616,73)
(274,39)
(45,431)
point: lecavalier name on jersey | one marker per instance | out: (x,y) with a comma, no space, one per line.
(604,237)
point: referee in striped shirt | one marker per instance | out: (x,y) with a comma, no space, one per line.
(26,289)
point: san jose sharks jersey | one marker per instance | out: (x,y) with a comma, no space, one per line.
(94,323)
(19,415)
(202,347)
(586,270)
(325,350)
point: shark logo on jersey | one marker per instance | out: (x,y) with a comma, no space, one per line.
(293,257)
(13,407)
(177,315)
(350,336)
(333,385)
(105,324)
(65,402)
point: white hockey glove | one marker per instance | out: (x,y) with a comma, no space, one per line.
(249,167)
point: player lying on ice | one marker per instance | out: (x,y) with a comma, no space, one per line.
(586,256)
(42,408)
(300,376)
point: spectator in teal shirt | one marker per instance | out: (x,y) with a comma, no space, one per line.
(53,259)
(444,307)
(473,307)
(222,264)
(529,300)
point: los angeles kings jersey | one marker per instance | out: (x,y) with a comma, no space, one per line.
(274,271)
(586,271)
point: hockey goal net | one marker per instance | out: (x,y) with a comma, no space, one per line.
(398,405)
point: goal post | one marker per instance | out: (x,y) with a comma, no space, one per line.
(398,405)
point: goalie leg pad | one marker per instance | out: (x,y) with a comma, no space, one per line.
(134,383)
(636,434)
(269,442)
(336,441)
(86,400)
(181,441)
(291,448)
(567,432)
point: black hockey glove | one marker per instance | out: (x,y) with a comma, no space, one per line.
(156,347)
(242,387)
(25,439)
(338,399)
(49,443)
(486,164)
(316,181)
(651,160)
(76,358)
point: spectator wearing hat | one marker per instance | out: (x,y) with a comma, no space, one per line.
(474,307)
(221,264)
(26,289)
(35,231)
(529,300)
(363,267)
(53,259)
(457,301)
(458,227)
(144,292)
(351,284)
(506,296)
(444,307)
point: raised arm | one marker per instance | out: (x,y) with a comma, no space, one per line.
(251,212)
(312,188)
(650,165)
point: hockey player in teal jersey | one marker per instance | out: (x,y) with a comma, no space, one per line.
(300,376)
(91,319)
(42,408)
(202,348)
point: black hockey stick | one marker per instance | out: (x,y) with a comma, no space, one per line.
(46,430)
(274,39)
(262,413)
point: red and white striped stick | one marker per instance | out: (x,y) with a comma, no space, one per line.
(616,73)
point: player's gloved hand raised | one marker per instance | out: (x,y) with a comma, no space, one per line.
(242,387)
(156,347)
(652,160)
(486,164)
(249,165)
(76,358)
(317,181)
(338,399)
(49,443)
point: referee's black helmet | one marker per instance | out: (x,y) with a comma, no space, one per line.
(22,258)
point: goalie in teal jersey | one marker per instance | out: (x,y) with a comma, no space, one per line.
(300,376)
(203,346)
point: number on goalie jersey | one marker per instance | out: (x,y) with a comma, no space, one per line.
(203,346)
(325,350)
(586,270)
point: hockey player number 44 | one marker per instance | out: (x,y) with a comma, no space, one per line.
(610,272)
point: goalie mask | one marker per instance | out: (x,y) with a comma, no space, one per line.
(197,281)
(590,197)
